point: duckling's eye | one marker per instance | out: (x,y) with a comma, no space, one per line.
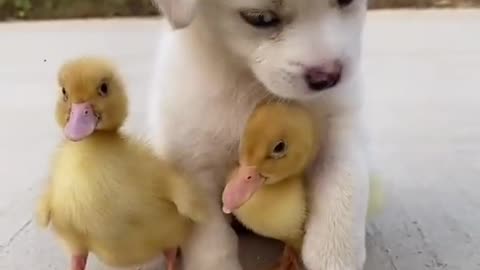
(279,150)
(103,90)
(65,95)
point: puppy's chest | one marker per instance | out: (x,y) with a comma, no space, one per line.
(212,131)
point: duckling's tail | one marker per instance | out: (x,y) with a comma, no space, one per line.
(376,199)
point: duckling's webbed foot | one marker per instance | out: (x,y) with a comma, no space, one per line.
(171,258)
(79,262)
(289,260)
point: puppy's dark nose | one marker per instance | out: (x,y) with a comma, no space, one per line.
(323,77)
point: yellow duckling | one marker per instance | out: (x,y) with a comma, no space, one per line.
(108,193)
(266,192)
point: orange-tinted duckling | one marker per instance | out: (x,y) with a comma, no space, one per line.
(266,192)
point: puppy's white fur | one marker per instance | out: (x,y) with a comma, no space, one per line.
(209,77)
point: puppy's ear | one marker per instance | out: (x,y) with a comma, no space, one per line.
(179,13)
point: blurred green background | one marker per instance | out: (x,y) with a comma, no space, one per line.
(59,9)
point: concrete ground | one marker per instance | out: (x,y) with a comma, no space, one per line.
(422,71)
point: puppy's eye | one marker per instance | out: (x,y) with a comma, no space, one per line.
(260,18)
(103,90)
(279,150)
(65,95)
(344,3)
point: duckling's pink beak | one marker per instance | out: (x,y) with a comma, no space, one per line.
(81,123)
(241,187)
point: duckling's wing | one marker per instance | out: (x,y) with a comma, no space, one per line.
(187,197)
(43,209)
(376,200)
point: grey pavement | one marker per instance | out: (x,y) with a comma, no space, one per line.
(423,101)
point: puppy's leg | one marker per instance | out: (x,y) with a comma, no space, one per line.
(335,232)
(213,244)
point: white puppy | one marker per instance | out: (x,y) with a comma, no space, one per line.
(228,55)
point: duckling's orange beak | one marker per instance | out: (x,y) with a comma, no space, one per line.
(241,187)
(81,123)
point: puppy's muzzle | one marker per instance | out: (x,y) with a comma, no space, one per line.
(323,77)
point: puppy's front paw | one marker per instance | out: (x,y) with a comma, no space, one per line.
(325,258)
(327,265)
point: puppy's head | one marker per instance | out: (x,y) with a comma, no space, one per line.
(297,48)
(179,13)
